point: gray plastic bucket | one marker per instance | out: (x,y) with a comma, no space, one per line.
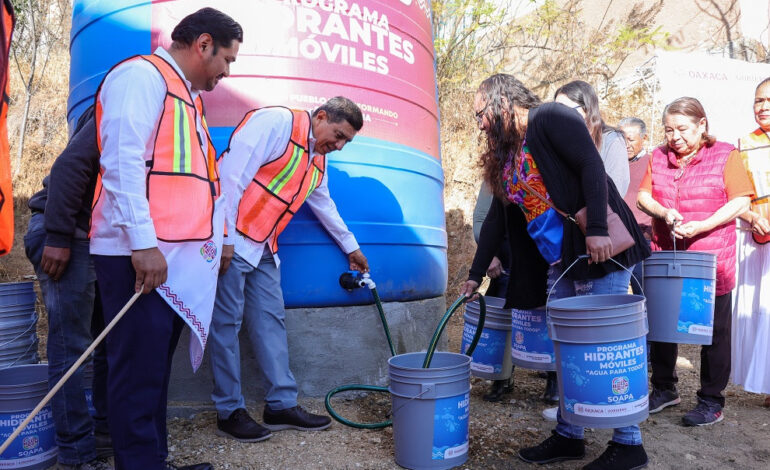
(601,359)
(491,358)
(430,409)
(21,389)
(18,336)
(16,293)
(19,353)
(531,347)
(680,288)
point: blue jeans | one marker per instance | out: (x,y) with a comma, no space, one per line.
(252,297)
(73,313)
(613,283)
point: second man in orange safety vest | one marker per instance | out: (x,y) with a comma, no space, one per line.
(275,162)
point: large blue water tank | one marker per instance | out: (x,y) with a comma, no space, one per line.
(387,183)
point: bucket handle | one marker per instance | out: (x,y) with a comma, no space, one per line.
(673,237)
(586,256)
(423,392)
(31,324)
(20,356)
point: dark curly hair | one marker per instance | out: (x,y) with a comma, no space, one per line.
(501,93)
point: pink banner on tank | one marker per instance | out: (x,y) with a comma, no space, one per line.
(298,53)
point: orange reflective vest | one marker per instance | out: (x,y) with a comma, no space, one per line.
(281,186)
(6,200)
(182,183)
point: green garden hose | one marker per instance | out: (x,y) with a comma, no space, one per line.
(428,357)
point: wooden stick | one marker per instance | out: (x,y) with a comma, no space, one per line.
(71,371)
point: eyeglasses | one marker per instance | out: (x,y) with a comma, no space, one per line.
(480,114)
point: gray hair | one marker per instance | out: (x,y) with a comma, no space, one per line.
(340,108)
(634,121)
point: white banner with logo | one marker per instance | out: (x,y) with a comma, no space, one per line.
(193,268)
(725,87)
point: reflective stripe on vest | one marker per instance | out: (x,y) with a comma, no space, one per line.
(182,182)
(281,186)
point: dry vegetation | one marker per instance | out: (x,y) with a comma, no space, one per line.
(42,72)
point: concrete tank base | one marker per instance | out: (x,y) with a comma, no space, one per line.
(328,347)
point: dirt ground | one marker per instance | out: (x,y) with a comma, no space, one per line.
(497,431)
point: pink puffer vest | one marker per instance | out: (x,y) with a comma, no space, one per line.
(696,192)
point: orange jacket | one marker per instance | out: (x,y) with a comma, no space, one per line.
(182,183)
(6,200)
(280,187)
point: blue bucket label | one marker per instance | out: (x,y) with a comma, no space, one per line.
(605,380)
(36,443)
(530,341)
(696,309)
(490,351)
(450,427)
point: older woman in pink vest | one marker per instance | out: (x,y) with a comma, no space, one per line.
(694,189)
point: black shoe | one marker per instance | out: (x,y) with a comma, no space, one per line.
(103,445)
(554,449)
(95,464)
(660,399)
(498,389)
(620,457)
(195,466)
(294,418)
(551,393)
(241,427)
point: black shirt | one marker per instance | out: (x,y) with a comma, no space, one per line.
(574,174)
(68,191)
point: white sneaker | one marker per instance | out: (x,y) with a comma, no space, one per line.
(550,413)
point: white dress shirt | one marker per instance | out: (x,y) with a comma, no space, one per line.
(132,99)
(261,140)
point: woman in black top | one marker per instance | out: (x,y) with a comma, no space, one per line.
(546,148)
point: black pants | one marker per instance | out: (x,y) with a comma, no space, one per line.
(714,358)
(139,353)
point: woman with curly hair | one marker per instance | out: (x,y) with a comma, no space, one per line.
(539,151)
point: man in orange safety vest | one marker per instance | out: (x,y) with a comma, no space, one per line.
(275,163)
(157,223)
